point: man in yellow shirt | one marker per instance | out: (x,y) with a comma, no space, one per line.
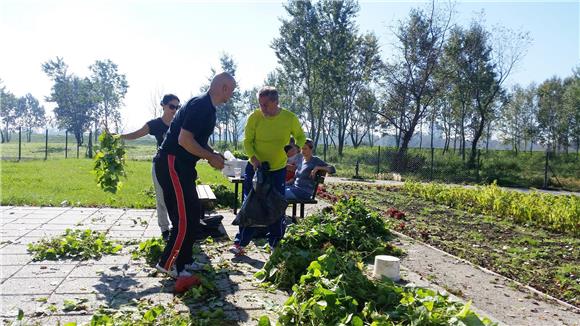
(267,131)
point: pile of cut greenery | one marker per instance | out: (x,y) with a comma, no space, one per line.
(74,244)
(321,260)
(150,249)
(110,162)
(148,313)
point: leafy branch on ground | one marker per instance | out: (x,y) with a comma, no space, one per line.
(74,244)
(150,249)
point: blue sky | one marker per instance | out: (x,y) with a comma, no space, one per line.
(170,46)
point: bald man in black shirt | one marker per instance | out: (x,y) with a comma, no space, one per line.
(186,142)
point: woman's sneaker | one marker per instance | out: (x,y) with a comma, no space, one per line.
(237,250)
(173,273)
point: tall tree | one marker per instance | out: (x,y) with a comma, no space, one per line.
(571,102)
(110,87)
(299,50)
(75,99)
(8,112)
(31,114)
(351,62)
(551,117)
(230,114)
(512,125)
(491,66)
(529,117)
(364,119)
(420,45)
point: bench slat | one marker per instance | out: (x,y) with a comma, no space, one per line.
(205,193)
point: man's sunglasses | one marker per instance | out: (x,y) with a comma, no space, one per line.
(173,106)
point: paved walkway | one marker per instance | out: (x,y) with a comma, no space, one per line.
(113,280)
(118,280)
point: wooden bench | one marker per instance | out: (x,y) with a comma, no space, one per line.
(206,197)
(211,224)
(312,200)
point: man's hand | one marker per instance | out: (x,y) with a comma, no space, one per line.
(314,171)
(255,162)
(216,161)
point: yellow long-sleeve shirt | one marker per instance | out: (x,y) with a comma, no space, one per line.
(265,137)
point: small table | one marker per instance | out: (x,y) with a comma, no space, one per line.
(236,181)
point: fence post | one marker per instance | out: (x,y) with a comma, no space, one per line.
(66,144)
(546,169)
(432,163)
(46,145)
(78,148)
(19,143)
(478,164)
(379,160)
(356,169)
(91,144)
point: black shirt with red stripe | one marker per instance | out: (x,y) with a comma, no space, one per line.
(198,116)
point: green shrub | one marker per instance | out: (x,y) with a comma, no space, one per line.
(224,195)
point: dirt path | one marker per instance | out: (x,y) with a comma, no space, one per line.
(493,295)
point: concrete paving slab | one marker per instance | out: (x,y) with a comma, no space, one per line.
(14,249)
(42,271)
(28,303)
(15,259)
(45,285)
(7,271)
(103,285)
(92,270)
(37,221)
(13,233)
(44,233)
(21,226)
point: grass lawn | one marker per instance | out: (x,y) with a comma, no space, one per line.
(546,260)
(48,183)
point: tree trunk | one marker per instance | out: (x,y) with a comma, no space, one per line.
(476,136)
(455,140)
(7,131)
(420,134)
(462,144)
(487,136)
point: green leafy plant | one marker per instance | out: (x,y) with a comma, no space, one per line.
(74,244)
(77,304)
(110,162)
(321,261)
(240,155)
(148,314)
(349,226)
(150,249)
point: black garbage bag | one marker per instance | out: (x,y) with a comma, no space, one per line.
(264,205)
